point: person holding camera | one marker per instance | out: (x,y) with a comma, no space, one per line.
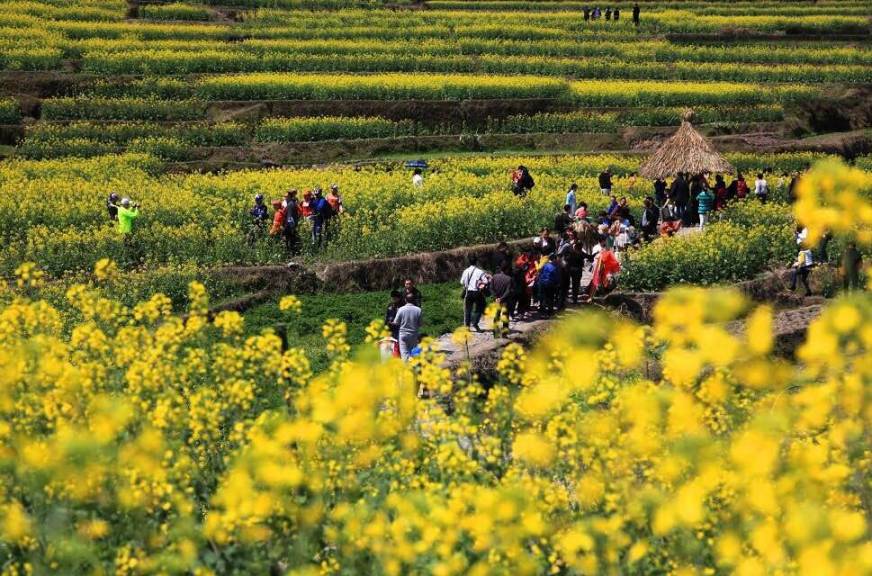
(128,212)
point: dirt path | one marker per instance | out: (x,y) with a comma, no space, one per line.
(483,349)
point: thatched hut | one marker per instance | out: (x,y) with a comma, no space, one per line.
(686,151)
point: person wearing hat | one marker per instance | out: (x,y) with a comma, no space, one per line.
(128,212)
(112,206)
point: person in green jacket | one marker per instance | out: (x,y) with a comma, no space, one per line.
(127,214)
(706,201)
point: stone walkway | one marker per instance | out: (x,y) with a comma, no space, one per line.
(483,349)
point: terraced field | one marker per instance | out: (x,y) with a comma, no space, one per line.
(246,84)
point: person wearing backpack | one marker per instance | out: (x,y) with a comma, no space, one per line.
(761,188)
(321,213)
(290,223)
(503,291)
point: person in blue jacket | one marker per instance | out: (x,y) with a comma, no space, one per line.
(549,281)
(259,218)
(322,214)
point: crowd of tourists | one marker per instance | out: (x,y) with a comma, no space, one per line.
(320,211)
(609,13)
(540,279)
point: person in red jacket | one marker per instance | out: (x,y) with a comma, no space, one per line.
(278,218)
(605,267)
(720,193)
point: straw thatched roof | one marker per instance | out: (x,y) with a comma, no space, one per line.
(686,151)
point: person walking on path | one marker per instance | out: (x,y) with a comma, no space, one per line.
(680,194)
(605,182)
(720,193)
(761,188)
(691,215)
(521,301)
(660,192)
(549,282)
(705,203)
(575,259)
(474,281)
(801,270)
(408,321)
(563,220)
(390,319)
(605,268)
(852,263)
(650,217)
(571,199)
(502,289)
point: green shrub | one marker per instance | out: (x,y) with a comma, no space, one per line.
(86,108)
(330,128)
(722,252)
(10,113)
(174,11)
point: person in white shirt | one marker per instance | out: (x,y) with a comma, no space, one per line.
(417,178)
(801,269)
(408,322)
(761,188)
(801,234)
(474,282)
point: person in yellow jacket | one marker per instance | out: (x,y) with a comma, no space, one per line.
(127,214)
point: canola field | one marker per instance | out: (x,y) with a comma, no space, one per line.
(136,441)
(144,432)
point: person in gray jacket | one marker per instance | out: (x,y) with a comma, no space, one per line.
(408,322)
